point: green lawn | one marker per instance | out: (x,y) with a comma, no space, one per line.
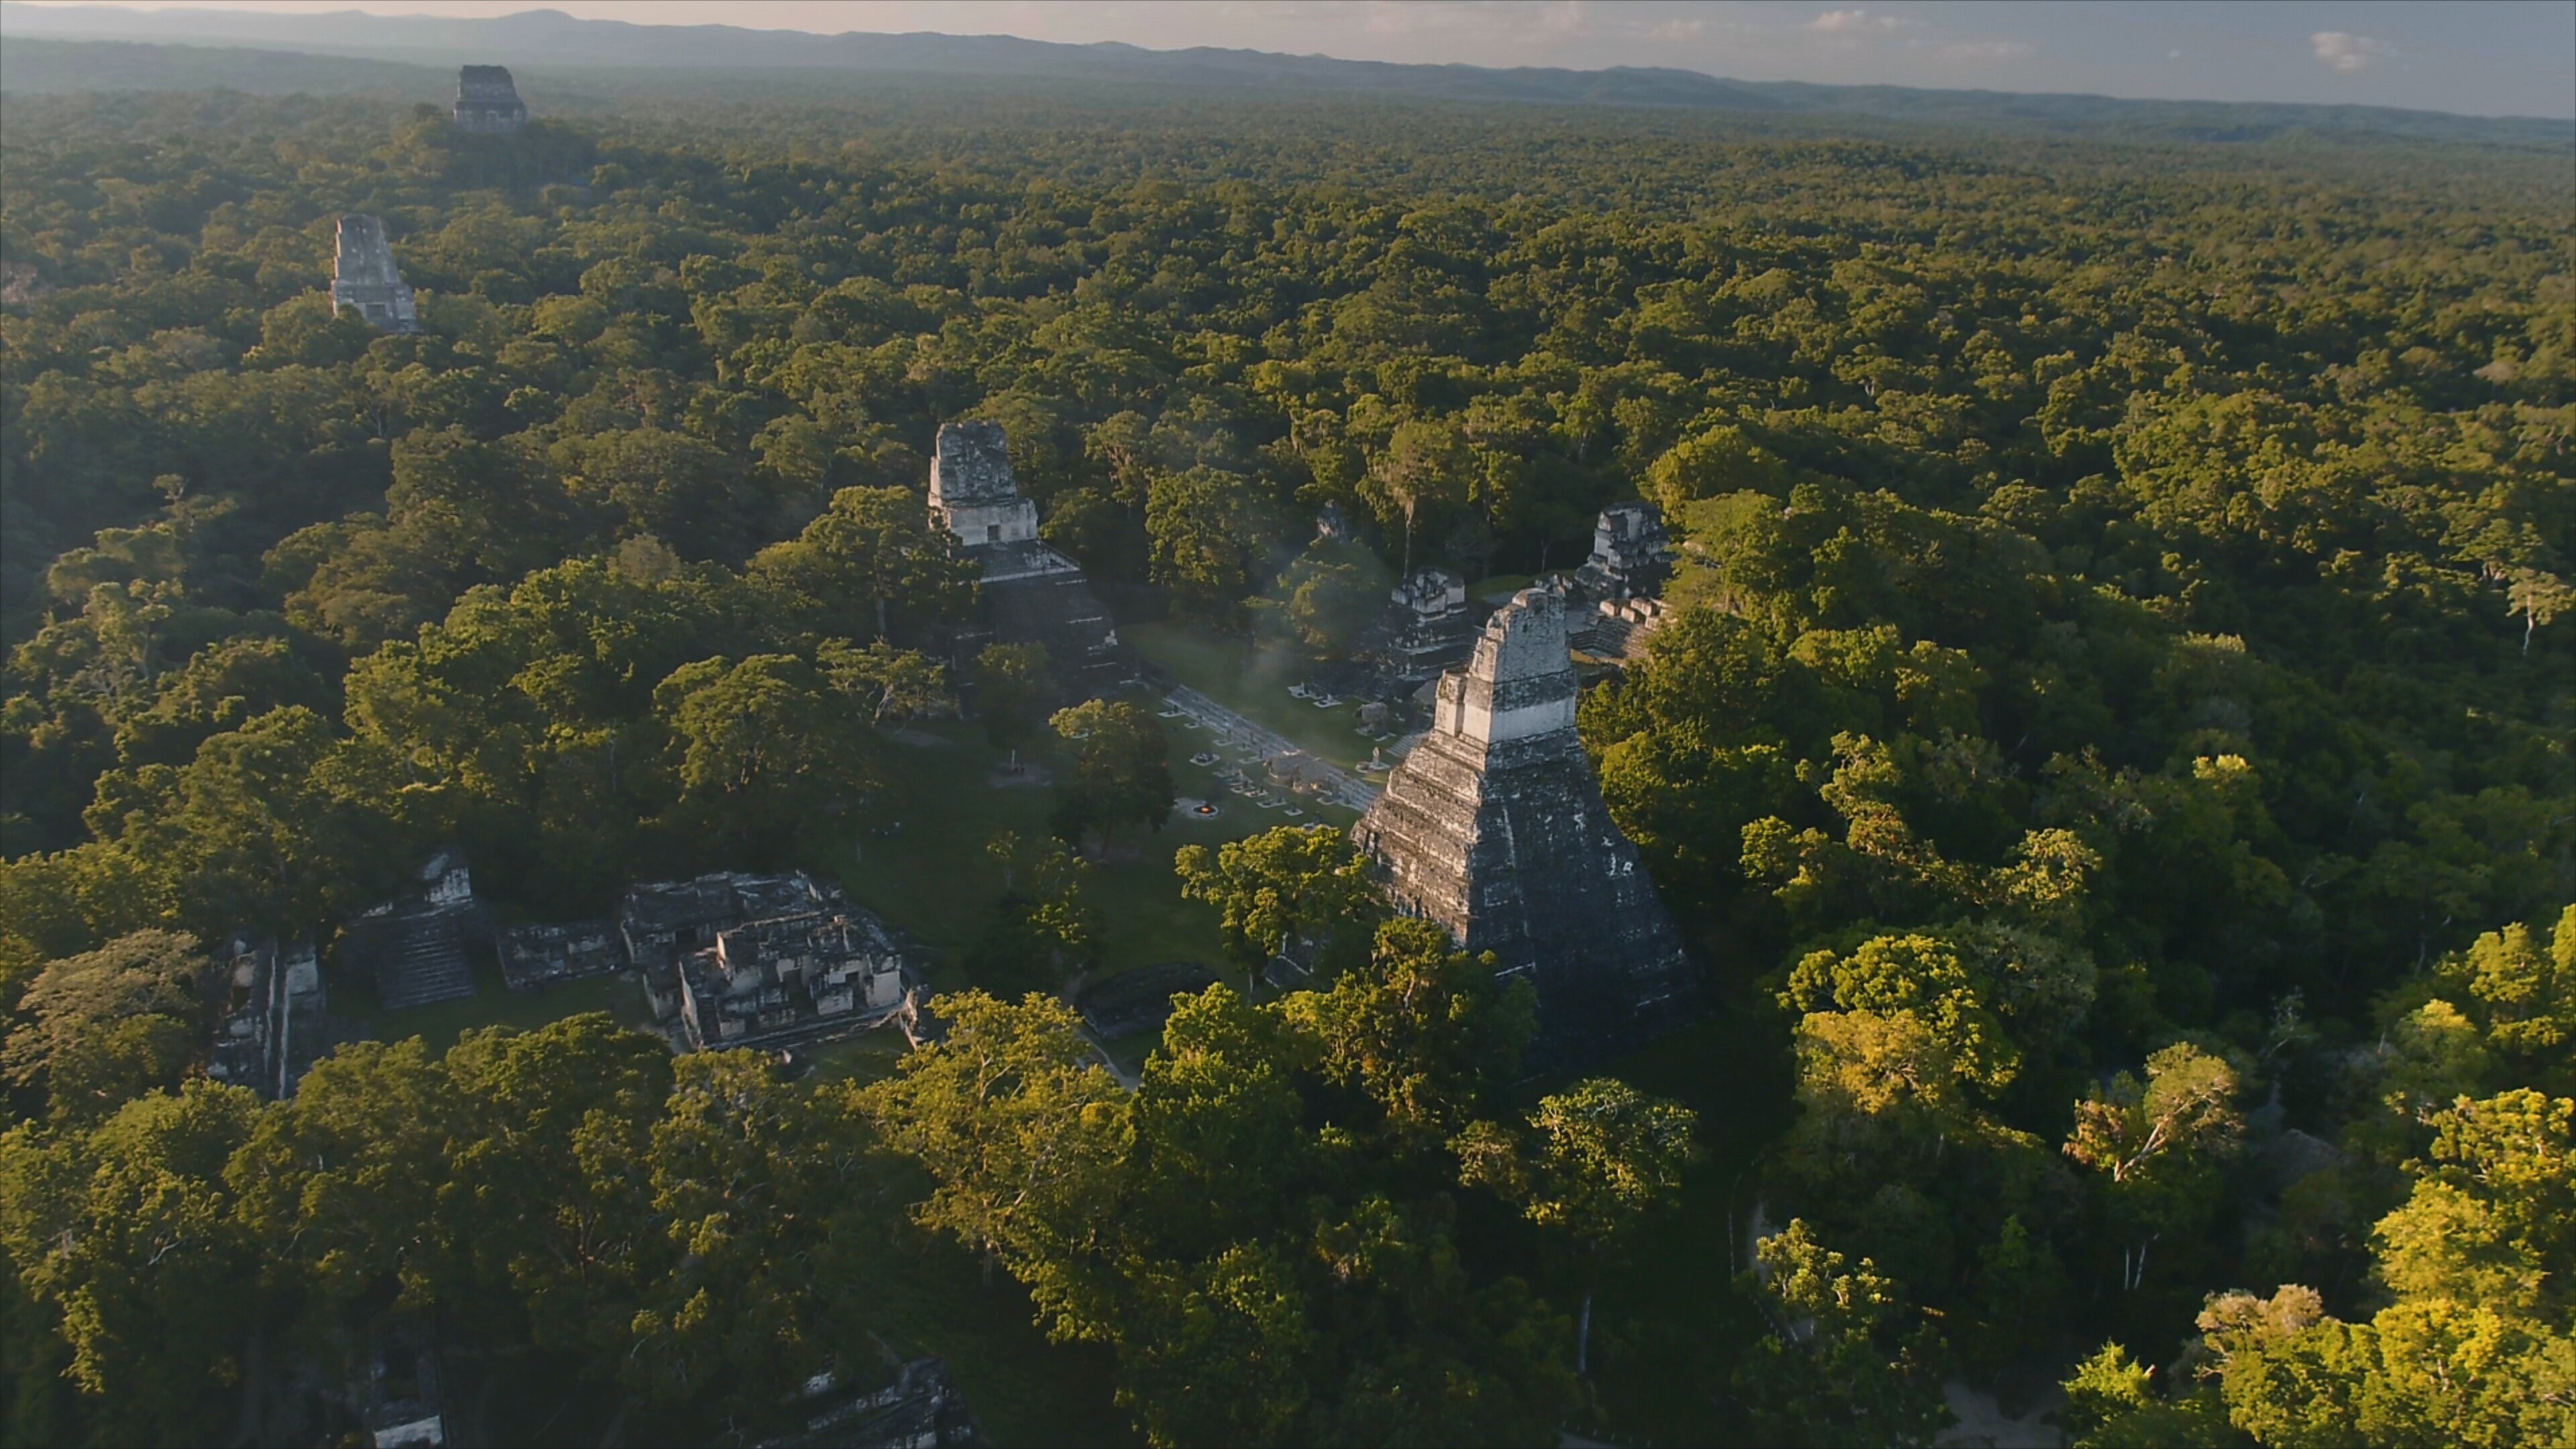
(932,878)
(1254,681)
(354,1005)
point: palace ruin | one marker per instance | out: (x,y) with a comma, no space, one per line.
(1493,827)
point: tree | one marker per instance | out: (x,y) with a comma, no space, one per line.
(1605,1159)
(347,1175)
(2539,597)
(1331,592)
(1418,1028)
(123,1233)
(103,1028)
(1045,911)
(671,485)
(1919,979)
(1121,770)
(893,685)
(1287,886)
(1836,1368)
(1202,538)
(2156,1143)
(1020,1129)
(872,549)
(764,1189)
(1013,687)
(762,744)
(274,826)
(1424,465)
(546,1213)
(2522,985)
(2105,1387)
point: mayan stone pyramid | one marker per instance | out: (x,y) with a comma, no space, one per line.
(1494,827)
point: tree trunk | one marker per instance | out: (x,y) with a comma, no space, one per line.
(254,1381)
(881,624)
(1583,1340)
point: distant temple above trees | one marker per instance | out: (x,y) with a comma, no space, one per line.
(487,101)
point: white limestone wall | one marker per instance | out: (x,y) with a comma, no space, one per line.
(1005,520)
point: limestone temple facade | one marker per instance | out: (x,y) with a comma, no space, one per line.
(487,101)
(1618,592)
(364,277)
(1493,826)
(1427,630)
(1031,593)
(269,1006)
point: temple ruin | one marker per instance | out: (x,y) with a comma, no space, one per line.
(414,945)
(365,277)
(269,1015)
(1031,593)
(1493,826)
(792,976)
(487,101)
(1427,630)
(1618,590)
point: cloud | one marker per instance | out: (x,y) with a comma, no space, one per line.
(1487,18)
(1853,22)
(1677,30)
(2347,53)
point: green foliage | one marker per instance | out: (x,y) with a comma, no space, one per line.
(1013,688)
(1420,1030)
(1044,926)
(870,551)
(2121,603)
(100,1029)
(2103,1388)
(1838,1367)
(1327,596)
(1205,538)
(1301,889)
(122,1234)
(1252,1229)
(1122,773)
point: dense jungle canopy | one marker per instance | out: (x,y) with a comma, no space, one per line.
(2116,721)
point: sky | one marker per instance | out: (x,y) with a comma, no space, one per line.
(2472,57)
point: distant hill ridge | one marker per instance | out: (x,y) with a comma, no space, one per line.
(554,39)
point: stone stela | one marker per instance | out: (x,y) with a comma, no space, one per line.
(1494,828)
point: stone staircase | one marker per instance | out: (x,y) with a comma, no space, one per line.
(427,963)
(1617,631)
